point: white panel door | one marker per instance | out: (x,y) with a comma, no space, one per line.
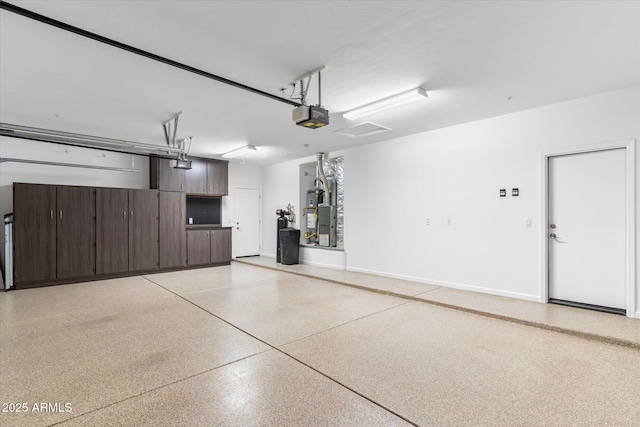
(247,230)
(587,224)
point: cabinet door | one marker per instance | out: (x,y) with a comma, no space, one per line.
(143,230)
(217,178)
(198,247)
(166,178)
(173,238)
(34,208)
(76,231)
(112,230)
(221,246)
(197,177)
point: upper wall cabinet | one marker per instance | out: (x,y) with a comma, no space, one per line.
(164,177)
(217,178)
(208,178)
(197,177)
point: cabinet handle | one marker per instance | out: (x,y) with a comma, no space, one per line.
(131,214)
(51,213)
(124,214)
(182,186)
(181,214)
(60,213)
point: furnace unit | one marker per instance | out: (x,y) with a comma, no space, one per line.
(327,226)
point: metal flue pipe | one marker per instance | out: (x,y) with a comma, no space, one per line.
(325,201)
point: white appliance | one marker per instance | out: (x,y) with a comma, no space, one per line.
(8,252)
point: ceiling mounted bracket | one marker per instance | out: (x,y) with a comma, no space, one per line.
(305,90)
(170,128)
(169,136)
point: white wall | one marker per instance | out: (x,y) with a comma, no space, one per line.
(281,186)
(240,176)
(392,188)
(41,174)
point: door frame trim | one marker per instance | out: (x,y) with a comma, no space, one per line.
(235,213)
(629,146)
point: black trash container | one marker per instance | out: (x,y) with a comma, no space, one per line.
(289,246)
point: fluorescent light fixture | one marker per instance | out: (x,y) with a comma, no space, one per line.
(386,103)
(240,151)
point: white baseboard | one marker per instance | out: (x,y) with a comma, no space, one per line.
(320,264)
(453,285)
(268,255)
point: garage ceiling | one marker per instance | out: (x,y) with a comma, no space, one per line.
(476,59)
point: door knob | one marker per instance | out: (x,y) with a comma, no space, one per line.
(552,226)
(552,235)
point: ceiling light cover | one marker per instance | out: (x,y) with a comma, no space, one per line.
(403,98)
(240,151)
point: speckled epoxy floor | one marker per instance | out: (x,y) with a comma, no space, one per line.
(246,345)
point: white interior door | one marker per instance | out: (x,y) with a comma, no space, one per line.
(247,228)
(587,237)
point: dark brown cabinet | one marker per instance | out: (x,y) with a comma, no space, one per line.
(220,245)
(75,233)
(112,230)
(143,230)
(196,177)
(206,177)
(164,177)
(126,230)
(34,208)
(54,232)
(67,234)
(217,178)
(209,246)
(198,247)
(173,244)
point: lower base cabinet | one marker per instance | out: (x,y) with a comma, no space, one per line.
(221,245)
(198,247)
(208,246)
